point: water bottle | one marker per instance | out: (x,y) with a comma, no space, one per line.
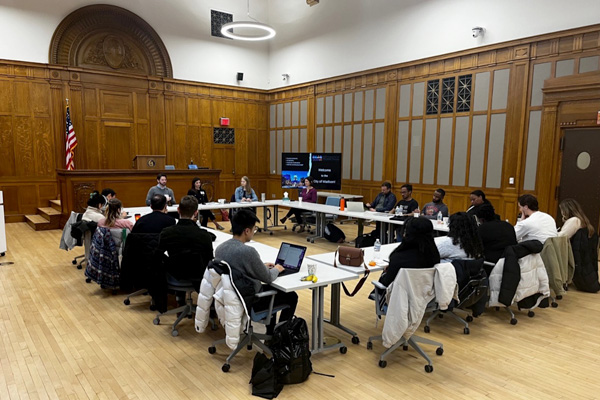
(377,249)
(397,211)
(440,218)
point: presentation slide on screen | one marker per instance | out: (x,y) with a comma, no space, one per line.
(325,168)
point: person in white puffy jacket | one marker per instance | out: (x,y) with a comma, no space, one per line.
(246,260)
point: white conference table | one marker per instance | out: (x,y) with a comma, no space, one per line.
(322,210)
(336,294)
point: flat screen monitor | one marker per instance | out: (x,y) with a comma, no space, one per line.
(325,168)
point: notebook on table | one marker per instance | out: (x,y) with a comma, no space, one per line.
(290,257)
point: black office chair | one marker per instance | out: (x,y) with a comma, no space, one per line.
(185,311)
(138,263)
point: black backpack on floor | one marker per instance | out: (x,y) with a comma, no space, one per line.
(291,351)
(264,377)
(334,234)
(367,240)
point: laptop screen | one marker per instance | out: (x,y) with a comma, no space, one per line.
(290,256)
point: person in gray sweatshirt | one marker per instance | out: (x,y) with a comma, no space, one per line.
(161,188)
(246,260)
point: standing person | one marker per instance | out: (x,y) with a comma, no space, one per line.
(245,193)
(161,188)
(496,235)
(574,219)
(477,200)
(417,250)
(308,194)
(157,220)
(431,210)
(246,260)
(200,195)
(95,204)
(462,242)
(533,224)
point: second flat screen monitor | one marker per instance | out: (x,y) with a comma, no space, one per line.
(325,168)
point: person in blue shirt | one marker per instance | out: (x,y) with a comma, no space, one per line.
(384,202)
(245,192)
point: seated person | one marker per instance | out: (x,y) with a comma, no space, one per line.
(161,188)
(245,193)
(573,219)
(417,250)
(95,204)
(533,224)
(496,235)
(463,241)
(188,246)
(115,220)
(308,194)
(114,216)
(200,195)
(478,199)
(431,210)
(108,194)
(157,220)
(246,260)
(407,206)
(385,200)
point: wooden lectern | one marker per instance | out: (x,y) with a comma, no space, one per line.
(149,162)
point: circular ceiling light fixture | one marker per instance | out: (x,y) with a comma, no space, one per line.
(265,32)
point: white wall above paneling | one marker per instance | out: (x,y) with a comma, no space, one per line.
(332,38)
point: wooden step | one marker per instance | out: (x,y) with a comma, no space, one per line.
(55,204)
(51,215)
(38,222)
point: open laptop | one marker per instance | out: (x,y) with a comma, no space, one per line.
(290,256)
(356,206)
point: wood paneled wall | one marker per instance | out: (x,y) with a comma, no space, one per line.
(116,117)
(576,51)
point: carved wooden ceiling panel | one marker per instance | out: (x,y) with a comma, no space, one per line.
(109,38)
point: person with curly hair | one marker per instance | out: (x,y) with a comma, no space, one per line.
(463,241)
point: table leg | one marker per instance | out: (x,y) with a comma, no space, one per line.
(318,338)
(320,225)
(334,313)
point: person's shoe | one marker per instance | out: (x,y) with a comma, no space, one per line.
(219,227)
(282,220)
(301,229)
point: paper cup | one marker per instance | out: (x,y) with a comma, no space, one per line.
(416,215)
(263,197)
(221,201)
(445,221)
(312,268)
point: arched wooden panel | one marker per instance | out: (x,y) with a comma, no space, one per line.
(109,38)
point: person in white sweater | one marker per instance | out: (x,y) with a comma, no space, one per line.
(533,224)
(573,218)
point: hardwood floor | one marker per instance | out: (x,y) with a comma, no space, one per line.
(61,338)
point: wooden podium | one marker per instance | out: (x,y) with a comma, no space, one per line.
(149,162)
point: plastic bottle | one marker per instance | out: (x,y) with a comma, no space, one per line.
(440,218)
(342,204)
(377,249)
(397,212)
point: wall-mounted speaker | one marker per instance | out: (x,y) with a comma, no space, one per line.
(240,76)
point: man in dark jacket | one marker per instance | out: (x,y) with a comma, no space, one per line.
(496,235)
(189,247)
(157,220)
(385,200)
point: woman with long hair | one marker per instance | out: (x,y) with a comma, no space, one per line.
(245,192)
(308,194)
(200,195)
(95,203)
(463,241)
(417,250)
(574,219)
(113,216)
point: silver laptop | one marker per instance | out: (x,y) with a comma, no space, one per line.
(356,206)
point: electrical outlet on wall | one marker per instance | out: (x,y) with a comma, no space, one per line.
(511,180)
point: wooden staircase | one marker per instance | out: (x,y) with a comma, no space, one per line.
(46,218)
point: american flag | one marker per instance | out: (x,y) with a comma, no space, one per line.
(71,143)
